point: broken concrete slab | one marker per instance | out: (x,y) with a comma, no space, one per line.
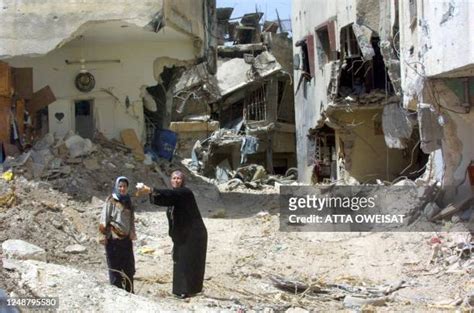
(78,146)
(45,142)
(130,139)
(431,132)
(91,164)
(451,209)
(222,171)
(296,310)
(75,249)
(363,35)
(194,126)
(431,210)
(67,18)
(79,291)
(41,99)
(236,73)
(239,50)
(396,125)
(22,250)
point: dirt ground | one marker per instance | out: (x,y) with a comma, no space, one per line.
(246,249)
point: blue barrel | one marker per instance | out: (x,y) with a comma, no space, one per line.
(164,143)
(2,154)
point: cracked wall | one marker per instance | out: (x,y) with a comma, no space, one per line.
(456,151)
(311,97)
(362,151)
(143,36)
(122,80)
(434,56)
(37,27)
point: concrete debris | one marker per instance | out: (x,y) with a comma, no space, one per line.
(78,146)
(296,310)
(78,290)
(7,200)
(222,171)
(431,210)
(453,254)
(460,205)
(91,164)
(22,250)
(207,152)
(75,249)
(363,35)
(397,127)
(354,302)
(431,132)
(236,73)
(45,142)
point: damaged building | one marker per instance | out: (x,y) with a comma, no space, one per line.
(96,67)
(437,69)
(383,90)
(244,114)
(351,126)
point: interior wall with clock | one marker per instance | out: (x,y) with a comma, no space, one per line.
(115,102)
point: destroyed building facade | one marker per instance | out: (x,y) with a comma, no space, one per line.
(383,90)
(98,67)
(244,114)
(437,70)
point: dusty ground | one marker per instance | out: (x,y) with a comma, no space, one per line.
(245,250)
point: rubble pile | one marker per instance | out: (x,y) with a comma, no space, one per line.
(52,195)
(453,254)
(81,168)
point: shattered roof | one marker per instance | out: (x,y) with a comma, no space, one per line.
(231,75)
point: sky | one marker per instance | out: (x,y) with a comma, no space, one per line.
(266,6)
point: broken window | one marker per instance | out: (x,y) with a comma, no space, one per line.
(286,103)
(350,47)
(325,44)
(359,76)
(307,54)
(255,105)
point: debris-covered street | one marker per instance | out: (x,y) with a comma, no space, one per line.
(251,265)
(214,156)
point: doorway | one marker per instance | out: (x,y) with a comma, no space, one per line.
(84,118)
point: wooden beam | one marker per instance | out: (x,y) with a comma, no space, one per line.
(41,99)
(5,104)
(5,80)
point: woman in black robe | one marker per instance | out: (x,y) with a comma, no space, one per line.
(188,232)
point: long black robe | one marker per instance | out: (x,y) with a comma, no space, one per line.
(189,235)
